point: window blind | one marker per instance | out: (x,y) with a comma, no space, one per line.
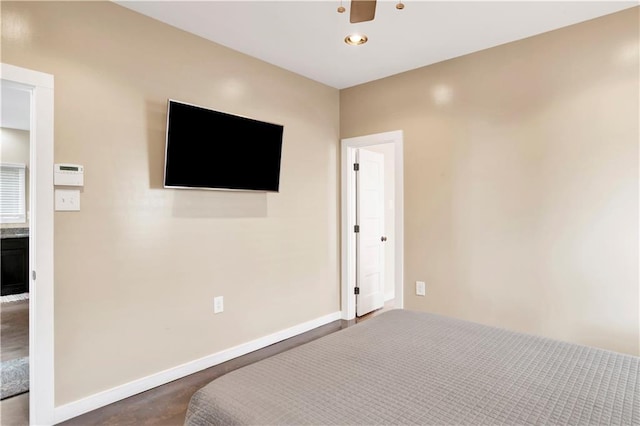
(12,193)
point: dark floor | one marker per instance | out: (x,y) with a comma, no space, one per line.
(388,305)
(14,335)
(167,404)
(14,343)
(14,411)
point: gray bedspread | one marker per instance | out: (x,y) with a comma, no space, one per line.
(405,367)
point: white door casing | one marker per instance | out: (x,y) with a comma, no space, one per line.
(348,262)
(41,375)
(370,220)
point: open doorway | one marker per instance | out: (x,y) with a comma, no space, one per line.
(372,223)
(38,404)
(15,122)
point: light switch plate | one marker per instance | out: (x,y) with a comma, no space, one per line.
(67,200)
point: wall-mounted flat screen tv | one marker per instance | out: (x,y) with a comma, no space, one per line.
(208,149)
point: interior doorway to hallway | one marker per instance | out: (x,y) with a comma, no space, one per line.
(372,223)
(39,87)
(15,145)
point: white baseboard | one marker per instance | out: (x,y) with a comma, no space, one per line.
(90,403)
(389,296)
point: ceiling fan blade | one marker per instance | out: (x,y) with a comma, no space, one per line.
(362,11)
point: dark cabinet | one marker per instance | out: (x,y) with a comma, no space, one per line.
(15,265)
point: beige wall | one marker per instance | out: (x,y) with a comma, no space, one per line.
(388,150)
(137,269)
(14,148)
(521,181)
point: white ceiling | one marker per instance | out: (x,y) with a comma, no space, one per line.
(306,37)
(15,106)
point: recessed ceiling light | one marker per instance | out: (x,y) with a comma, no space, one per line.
(355,39)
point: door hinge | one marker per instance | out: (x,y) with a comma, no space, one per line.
(356,228)
(356,290)
(356,166)
(33,274)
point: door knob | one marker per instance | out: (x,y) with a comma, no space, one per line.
(383,239)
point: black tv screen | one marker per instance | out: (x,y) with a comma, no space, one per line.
(209,149)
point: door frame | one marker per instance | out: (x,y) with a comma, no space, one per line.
(41,345)
(348,256)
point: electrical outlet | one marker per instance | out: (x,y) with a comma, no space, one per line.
(218,304)
(420,288)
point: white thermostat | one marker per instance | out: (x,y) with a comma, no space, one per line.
(68,175)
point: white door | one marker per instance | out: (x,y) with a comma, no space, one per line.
(370,237)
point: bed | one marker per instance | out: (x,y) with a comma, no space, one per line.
(405,367)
